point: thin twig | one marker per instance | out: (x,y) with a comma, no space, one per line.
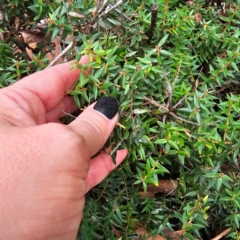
(164,118)
(117,10)
(153,102)
(61,54)
(68,114)
(105,2)
(181,164)
(168,88)
(95,14)
(69,19)
(184,120)
(175,80)
(229,85)
(97,10)
(180,101)
(222,234)
(107,37)
(122,17)
(165,13)
(116,148)
(184,97)
(196,82)
(68,16)
(174,187)
(111,8)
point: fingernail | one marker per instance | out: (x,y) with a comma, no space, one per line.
(108,106)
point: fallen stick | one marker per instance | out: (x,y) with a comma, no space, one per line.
(222,234)
(61,54)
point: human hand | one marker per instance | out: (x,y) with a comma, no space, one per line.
(45,166)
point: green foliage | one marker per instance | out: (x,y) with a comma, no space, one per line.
(179,97)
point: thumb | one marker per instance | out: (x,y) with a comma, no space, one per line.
(96,123)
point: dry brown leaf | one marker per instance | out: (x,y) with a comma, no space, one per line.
(143,232)
(198,17)
(146,194)
(32,38)
(177,235)
(164,186)
(223,56)
(158,237)
(190,3)
(75,14)
(117,233)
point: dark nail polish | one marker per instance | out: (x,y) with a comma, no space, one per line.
(108,106)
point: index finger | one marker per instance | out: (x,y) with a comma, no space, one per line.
(51,84)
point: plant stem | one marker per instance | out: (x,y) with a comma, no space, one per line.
(150,33)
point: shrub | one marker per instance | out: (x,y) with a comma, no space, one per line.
(174,67)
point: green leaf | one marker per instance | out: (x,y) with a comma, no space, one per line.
(162,125)
(144,60)
(160,141)
(189,236)
(126,89)
(137,182)
(99,73)
(95,92)
(171,152)
(130,54)
(77,101)
(116,221)
(152,181)
(148,167)
(119,214)
(144,186)
(205,199)
(82,81)
(85,96)
(219,183)
(181,158)
(233,64)
(55,32)
(198,117)
(173,144)
(93,78)
(98,59)
(163,40)
(191,194)
(114,22)
(164,52)
(160,170)
(184,153)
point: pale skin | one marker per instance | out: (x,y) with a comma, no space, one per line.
(45,166)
